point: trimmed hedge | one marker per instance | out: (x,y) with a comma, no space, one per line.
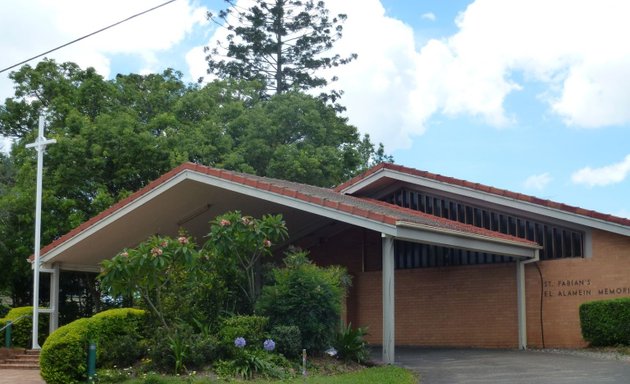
(117,333)
(64,355)
(22,331)
(606,322)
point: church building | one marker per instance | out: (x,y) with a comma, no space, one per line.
(435,261)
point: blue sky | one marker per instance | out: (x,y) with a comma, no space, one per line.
(528,96)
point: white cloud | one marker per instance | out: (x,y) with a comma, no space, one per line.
(538,182)
(586,69)
(394,89)
(609,174)
(428,16)
(40,25)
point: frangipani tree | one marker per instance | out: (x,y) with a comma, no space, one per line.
(240,242)
(153,270)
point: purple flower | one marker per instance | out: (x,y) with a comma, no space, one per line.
(269,345)
(239,342)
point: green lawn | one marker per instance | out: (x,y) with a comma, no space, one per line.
(375,375)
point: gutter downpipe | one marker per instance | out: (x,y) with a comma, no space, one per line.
(521,299)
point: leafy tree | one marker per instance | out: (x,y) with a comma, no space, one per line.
(238,243)
(297,137)
(155,269)
(281,43)
(94,163)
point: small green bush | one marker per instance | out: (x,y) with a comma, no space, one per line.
(22,331)
(307,296)
(251,328)
(254,362)
(180,348)
(116,332)
(63,359)
(606,322)
(203,350)
(288,340)
(118,336)
(350,344)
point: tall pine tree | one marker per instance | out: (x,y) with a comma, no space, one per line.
(281,43)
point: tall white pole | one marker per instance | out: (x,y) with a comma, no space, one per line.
(40,146)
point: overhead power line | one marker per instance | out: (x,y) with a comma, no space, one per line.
(86,36)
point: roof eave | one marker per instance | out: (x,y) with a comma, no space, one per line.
(489,197)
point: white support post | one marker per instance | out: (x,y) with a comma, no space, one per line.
(389,323)
(40,145)
(53,323)
(520,302)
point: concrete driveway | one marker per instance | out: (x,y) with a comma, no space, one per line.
(483,366)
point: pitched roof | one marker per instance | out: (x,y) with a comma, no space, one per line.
(359,207)
(486,189)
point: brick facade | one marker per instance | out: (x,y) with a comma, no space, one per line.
(475,306)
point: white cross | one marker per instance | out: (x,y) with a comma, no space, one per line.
(40,145)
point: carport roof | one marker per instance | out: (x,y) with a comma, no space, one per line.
(364,209)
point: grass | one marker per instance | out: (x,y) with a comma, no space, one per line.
(380,375)
(374,375)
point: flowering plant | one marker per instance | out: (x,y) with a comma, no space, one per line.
(269,345)
(240,342)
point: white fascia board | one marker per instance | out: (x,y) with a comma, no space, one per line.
(107,220)
(80,267)
(463,240)
(493,199)
(365,182)
(291,202)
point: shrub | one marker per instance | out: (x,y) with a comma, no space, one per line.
(63,359)
(606,322)
(203,350)
(22,331)
(288,340)
(306,296)
(118,335)
(251,328)
(254,362)
(350,344)
(181,347)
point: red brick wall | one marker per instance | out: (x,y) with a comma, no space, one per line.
(475,306)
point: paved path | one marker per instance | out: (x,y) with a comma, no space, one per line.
(17,376)
(480,366)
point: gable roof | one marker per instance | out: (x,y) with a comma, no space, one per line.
(354,185)
(360,211)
